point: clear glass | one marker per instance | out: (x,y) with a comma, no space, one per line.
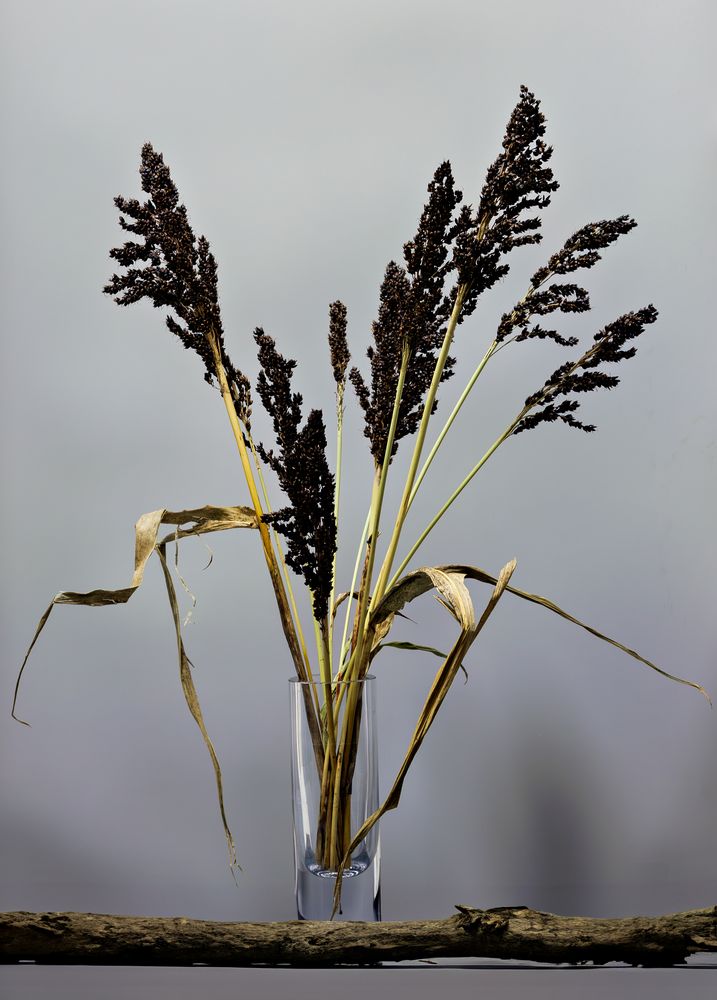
(315,879)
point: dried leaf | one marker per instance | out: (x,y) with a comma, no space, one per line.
(453,590)
(416,648)
(190,695)
(457,594)
(382,630)
(340,598)
(411,645)
(204,519)
(416,583)
(146,530)
(185,585)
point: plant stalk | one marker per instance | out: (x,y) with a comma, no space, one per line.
(337,498)
(418,447)
(321,629)
(454,413)
(479,465)
(335,799)
(282,560)
(379,490)
(350,597)
(274,573)
(456,493)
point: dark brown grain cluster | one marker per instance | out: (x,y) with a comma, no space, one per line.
(338,343)
(456,254)
(518,181)
(556,399)
(174,270)
(471,246)
(554,298)
(580,251)
(300,464)
(412,317)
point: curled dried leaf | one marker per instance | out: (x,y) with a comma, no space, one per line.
(411,586)
(450,584)
(201,519)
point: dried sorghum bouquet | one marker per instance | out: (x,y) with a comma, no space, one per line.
(457,253)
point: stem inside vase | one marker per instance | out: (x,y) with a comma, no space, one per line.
(333,797)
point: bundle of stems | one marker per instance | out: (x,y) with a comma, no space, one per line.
(457,254)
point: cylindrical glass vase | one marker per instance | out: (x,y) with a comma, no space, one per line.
(331,806)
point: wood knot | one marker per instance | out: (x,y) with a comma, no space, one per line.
(475,921)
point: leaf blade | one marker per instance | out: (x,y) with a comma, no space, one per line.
(415,583)
(453,589)
(192,700)
(205,519)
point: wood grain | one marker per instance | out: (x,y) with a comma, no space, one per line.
(501,933)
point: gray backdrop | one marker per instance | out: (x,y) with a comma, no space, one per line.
(302,135)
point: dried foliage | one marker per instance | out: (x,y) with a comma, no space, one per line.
(456,254)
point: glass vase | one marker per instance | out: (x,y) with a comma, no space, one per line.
(331,803)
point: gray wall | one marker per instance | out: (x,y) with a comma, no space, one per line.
(301,136)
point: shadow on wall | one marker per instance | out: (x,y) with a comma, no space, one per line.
(69,876)
(547,819)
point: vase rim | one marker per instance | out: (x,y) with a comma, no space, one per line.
(316,679)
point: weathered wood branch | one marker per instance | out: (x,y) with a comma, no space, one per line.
(501,933)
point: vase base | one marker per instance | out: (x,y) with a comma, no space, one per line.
(350,872)
(360,893)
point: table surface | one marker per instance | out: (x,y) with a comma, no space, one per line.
(405,981)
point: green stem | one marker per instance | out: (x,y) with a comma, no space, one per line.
(282,560)
(454,413)
(494,347)
(418,447)
(321,630)
(337,497)
(456,493)
(352,591)
(359,657)
(377,503)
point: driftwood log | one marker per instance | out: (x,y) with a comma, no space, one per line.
(501,933)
